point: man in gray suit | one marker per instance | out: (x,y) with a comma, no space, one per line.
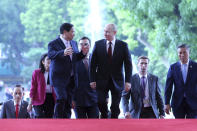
(15,108)
(146,100)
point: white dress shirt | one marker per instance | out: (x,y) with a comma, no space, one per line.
(48,87)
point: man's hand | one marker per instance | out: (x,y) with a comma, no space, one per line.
(127,86)
(161,117)
(68,51)
(127,115)
(29,108)
(167,109)
(93,85)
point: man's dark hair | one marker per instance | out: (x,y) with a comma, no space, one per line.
(65,26)
(85,38)
(19,86)
(41,65)
(183,46)
(143,57)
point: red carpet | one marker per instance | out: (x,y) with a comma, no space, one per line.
(97,125)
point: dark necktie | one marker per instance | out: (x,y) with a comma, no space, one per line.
(110,52)
(48,81)
(85,61)
(143,85)
(17,109)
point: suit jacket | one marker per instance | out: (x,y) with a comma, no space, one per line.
(8,110)
(189,89)
(84,95)
(134,95)
(61,66)
(101,70)
(38,88)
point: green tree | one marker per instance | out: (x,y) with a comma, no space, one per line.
(160,26)
(11,34)
(42,21)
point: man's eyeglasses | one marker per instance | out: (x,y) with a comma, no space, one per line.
(84,44)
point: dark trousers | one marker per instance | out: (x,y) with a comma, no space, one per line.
(87,112)
(45,110)
(102,103)
(184,111)
(147,112)
(63,106)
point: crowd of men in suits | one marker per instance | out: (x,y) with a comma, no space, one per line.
(82,80)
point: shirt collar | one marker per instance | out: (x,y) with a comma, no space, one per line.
(88,56)
(16,103)
(186,63)
(142,75)
(113,41)
(64,41)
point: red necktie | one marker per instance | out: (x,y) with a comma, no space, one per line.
(110,52)
(17,108)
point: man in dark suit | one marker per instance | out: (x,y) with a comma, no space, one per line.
(85,98)
(106,70)
(63,53)
(182,75)
(17,107)
(145,95)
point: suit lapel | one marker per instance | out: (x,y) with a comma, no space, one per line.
(150,84)
(189,72)
(115,49)
(42,79)
(138,84)
(104,49)
(61,43)
(21,111)
(179,71)
(13,109)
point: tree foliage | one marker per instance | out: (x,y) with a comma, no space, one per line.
(42,20)
(11,34)
(159,25)
(150,27)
